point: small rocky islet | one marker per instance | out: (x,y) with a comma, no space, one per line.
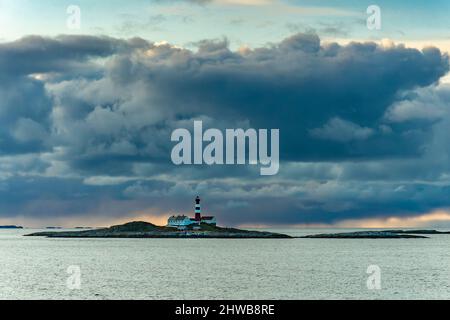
(365,235)
(384,234)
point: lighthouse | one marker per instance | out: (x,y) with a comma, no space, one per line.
(198,210)
(182,222)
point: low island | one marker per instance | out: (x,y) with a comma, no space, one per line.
(148,230)
(418,231)
(384,234)
(367,235)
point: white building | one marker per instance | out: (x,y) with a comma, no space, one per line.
(180,222)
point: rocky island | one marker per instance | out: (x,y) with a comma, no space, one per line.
(384,234)
(418,231)
(148,230)
(394,234)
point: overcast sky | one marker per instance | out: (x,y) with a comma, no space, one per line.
(86,115)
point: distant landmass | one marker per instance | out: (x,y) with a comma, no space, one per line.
(418,231)
(387,234)
(11,227)
(384,234)
(149,230)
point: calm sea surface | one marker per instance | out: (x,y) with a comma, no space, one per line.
(36,268)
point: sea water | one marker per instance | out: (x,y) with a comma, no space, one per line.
(41,268)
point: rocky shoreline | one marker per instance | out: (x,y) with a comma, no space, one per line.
(148,230)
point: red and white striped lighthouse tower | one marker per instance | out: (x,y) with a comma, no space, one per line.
(198,211)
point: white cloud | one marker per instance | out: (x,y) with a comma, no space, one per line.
(337,129)
(429,103)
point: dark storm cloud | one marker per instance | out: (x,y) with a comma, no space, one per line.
(319,96)
(299,85)
(36,54)
(96,114)
(25,105)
